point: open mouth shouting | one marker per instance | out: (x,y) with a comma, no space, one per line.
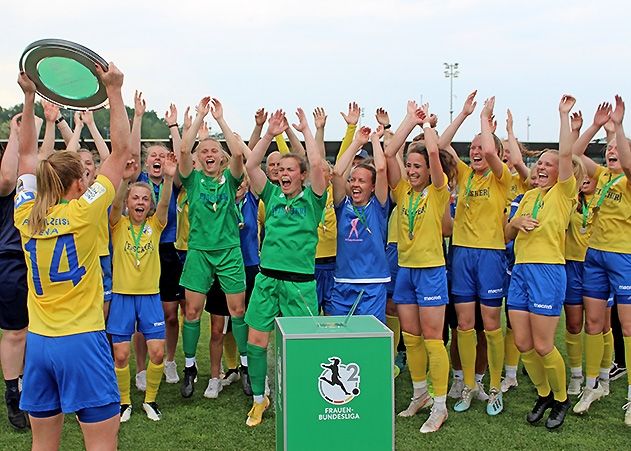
(285,182)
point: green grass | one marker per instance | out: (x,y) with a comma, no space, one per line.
(199,423)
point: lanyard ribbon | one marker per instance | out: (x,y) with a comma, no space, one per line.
(412,207)
(136,239)
(468,187)
(361,215)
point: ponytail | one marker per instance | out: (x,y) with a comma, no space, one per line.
(54,176)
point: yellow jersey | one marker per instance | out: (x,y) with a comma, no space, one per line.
(183,225)
(612,222)
(552,208)
(579,231)
(327,228)
(393,226)
(479,220)
(517,187)
(423,248)
(136,259)
(65,284)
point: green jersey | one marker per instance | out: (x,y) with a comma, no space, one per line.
(291,229)
(211,212)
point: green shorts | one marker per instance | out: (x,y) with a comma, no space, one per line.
(272,297)
(201,267)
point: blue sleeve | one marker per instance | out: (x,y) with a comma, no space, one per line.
(514,205)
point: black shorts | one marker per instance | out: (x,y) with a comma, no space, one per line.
(216,303)
(170,273)
(13,291)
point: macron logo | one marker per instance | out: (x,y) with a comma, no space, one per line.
(495,291)
(624,287)
(543,306)
(432,298)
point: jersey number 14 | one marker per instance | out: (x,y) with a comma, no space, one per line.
(74,272)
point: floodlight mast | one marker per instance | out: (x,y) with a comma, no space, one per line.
(451,72)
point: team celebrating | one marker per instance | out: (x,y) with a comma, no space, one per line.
(99,251)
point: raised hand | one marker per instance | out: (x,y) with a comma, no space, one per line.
(130,169)
(170,117)
(566,104)
(576,121)
(610,128)
(319,117)
(487,111)
(15,123)
(203,107)
(509,122)
(217,109)
(169,165)
(602,115)
(492,123)
(203,132)
(88,118)
(112,78)
(378,133)
(276,123)
(27,85)
(469,104)
(302,124)
(618,113)
(382,117)
(51,111)
(362,135)
(352,117)
(139,104)
(188,120)
(78,120)
(260,117)
(425,109)
(412,107)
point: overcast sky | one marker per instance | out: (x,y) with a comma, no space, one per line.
(284,54)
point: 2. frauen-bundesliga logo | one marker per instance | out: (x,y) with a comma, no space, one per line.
(339,382)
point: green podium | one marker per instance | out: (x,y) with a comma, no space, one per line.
(334,384)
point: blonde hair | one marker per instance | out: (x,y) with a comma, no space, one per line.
(578,168)
(54,175)
(148,187)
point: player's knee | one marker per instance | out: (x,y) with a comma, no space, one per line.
(121,356)
(14,337)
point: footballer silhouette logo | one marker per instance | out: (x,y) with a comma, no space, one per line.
(339,382)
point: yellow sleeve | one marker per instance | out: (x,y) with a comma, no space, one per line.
(282,145)
(93,204)
(348,139)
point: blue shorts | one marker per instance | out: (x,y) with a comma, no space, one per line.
(537,288)
(106,269)
(372,302)
(426,287)
(392,254)
(68,374)
(605,271)
(478,274)
(324,277)
(127,311)
(574,288)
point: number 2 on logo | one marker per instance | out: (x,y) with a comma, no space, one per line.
(74,273)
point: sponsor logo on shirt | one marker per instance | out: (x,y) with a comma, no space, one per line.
(94,192)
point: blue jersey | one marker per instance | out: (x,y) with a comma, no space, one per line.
(9,235)
(249,211)
(510,251)
(168,234)
(361,238)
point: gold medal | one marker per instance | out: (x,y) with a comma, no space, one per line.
(583,230)
(214,206)
(137,263)
(241,225)
(410,235)
(287,208)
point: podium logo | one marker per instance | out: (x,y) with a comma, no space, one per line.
(339,382)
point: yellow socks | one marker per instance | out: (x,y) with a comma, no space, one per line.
(536,371)
(395,326)
(574,346)
(154,377)
(466,349)
(511,353)
(230,354)
(495,354)
(123,379)
(438,366)
(555,370)
(417,356)
(594,347)
(605,363)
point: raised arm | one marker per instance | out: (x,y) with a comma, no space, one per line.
(170,117)
(576,122)
(51,113)
(9,166)
(624,153)
(381,184)
(565,138)
(449,133)
(601,117)
(514,154)
(64,128)
(236,162)
(488,144)
(610,131)
(259,120)
(344,162)
(121,192)
(73,145)
(188,140)
(170,169)
(351,118)
(317,168)
(28,134)
(120,136)
(319,118)
(296,145)
(413,117)
(99,142)
(258,179)
(431,143)
(136,130)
